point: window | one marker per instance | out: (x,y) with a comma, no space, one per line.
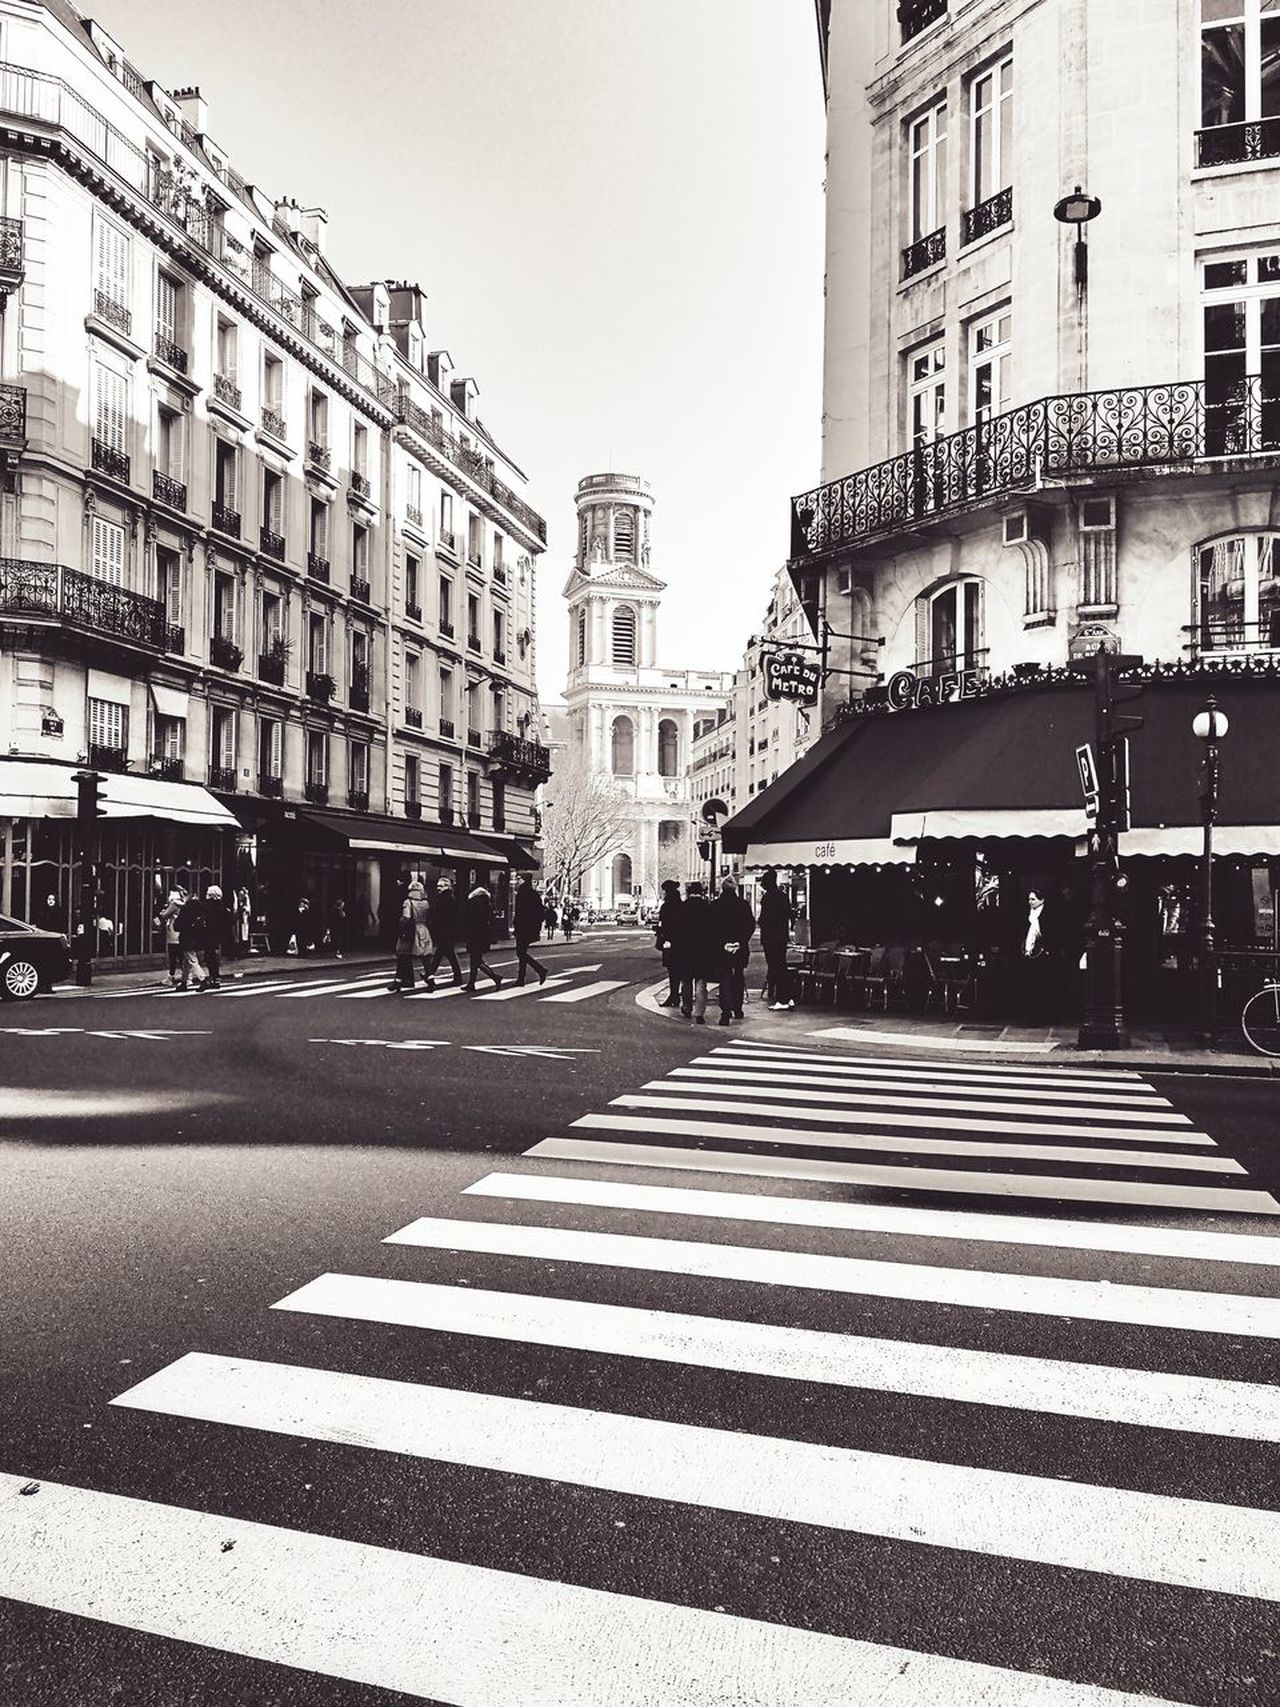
(224,605)
(475,539)
(319,530)
(584,525)
(272,621)
(668,748)
(499,545)
(624,635)
(222,737)
(359,448)
(473,620)
(446,696)
(499,633)
(927,373)
(107,551)
(1238,593)
(358,767)
(225,483)
(446,513)
(446,605)
(414,488)
(624,536)
(110,408)
(169,435)
(168,308)
(1239,80)
(473,797)
(446,793)
(1242,355)
(952,628)
(111,273)
(359,553)
(991,140)
(412,780)
(927,143)
(499,792)
(499,704)
(413,681)
(317,758)
(108,724)
(273,501)
(412,565)
(225,354)
(318,419)
(989,354)
(170,737)
(169,583)
(273,384)
(622,745)
(317,644)
(270,747)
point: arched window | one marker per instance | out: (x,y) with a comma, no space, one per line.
(1238,592)
(621,876)
(949,628)
(624,635)
(668,748)
(623,747)
(624,536)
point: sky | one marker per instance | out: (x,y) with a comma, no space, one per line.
(615,209)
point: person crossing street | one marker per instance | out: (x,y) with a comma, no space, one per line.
(445,924)
(413,941)
(477,932)
(734,925)
(669,920)
(529,914)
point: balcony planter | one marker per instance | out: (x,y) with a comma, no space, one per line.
(320,687)
(225,653)
(271,668)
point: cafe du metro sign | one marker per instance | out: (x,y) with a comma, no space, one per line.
(789,675)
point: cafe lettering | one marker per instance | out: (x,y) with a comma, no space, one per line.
(789,676)
(907,690)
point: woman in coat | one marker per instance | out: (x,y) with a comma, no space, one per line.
(172,940)
(413,939)
(477,933)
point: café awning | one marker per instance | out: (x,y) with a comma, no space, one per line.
(29,789)
(367,834)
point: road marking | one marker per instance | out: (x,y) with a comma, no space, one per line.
(255,989)
(717,1099)
(1174,1243)
(892,1144)
(512,991)
(599,988)
(1133,1193)
(1239,1410)
(975,1289)
(385,1043)
(924,1078)
(733,1081)
(1080,1526)
(548,1051)
(332,986)
(987,1046)
(1122,1076)
(437,1630)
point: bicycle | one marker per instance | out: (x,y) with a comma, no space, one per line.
(1260,1019)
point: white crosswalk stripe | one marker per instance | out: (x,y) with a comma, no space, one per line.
(375,986)
(917,1322)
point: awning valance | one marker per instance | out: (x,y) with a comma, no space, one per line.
(101,684)
(169,702)
(364,834)
(870,850)
(909,828)
(29,789)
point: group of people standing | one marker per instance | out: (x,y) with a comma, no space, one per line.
(708,941)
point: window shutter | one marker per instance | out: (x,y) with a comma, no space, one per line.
(107,552)
(113,263)
(109,408)
(166,308)
(924,630)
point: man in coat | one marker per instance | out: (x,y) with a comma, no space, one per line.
(413,941)
(218,934)
(527,923)
(667,940)
(733,926)
(445,925)
(698,956)
(477,932)
(193,927)
(776,915)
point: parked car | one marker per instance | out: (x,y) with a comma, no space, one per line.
(30,959)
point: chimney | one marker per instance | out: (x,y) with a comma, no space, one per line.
(314,221)
(287,216)
(193,107)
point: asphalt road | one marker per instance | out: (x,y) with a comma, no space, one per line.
(900,1382)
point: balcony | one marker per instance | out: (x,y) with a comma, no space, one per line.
(225,519)
(361,590)
(225,653)
(274,424)
(317,793)
(472,463)
(320,686)
(104,758)
(917,15)
(987,217)
(112,313)
(318,455)
(446,728)
(919,256)
(413,717)
(473,560)
(13,416)
(108,460)
(1171,428)
(318,568)
(226,390)
(82,601)
(447,541)
(413,515)
(270,787)
(271,668)
(499,656)
(223,777)
(166,768)
(361,484)
(358,799)
(12,255)
(446,629)
(166,490)
(1228,635)
(271,544)
(413,809)
(1238,144)
(445,812)
(176,638)
(473,643)
(499,575)
(412,611)
(474,738)
(358,692)
(528,760)
(171,354)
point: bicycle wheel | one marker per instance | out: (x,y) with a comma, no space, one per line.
(1260,1020)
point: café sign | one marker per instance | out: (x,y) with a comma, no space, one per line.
(905,690)
(788,675)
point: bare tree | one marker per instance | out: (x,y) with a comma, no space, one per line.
(586,819)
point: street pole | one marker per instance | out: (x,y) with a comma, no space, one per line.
(88,784)
(1209,724)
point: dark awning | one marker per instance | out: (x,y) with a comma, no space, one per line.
(1004,766)
(396,835)
(513,852)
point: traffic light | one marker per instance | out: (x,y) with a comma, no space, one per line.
(91,803)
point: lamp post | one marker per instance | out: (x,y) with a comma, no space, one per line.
(1208,725)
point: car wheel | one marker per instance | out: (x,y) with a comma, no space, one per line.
(19,981)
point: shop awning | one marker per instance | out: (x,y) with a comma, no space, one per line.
(29,789)
(396,835)
(1004,767)
(169,702)
(514,853)
(869,850)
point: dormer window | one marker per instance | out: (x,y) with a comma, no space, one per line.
(917,15)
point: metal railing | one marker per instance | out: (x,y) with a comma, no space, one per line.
(13,414)
(224,652)
(472,463)
(273,422)
(166,768)
(987,217)
(412,611)
(112,313)
(270,787)
(317,793)
(358,799)
(413,809)
(360,484)
(474,738)
(226,390)
(529,757)
(12,252)
(1235,144)
(318,568)
(413,515)
(1172,426)
(447,540)
(171,354)
(361,590)
(108,460)
(1230,633)
(413,717)
(446,629)
(318,455)
(447,728)
(924,252)
(168,490)
(320,686)
(223,777)
(271,544)
(51,589)
(225,519)
(271,668)
(105,758)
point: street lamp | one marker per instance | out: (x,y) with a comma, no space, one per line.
(1208,725)
(1079,209)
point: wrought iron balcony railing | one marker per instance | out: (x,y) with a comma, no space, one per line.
(473,643)
(361,590)
(447,541)
(1236,144)
(320,686)
(473,560)
(500,574)
(13,414)
(108,460)
(224,652)
(358,698)
(223,777)
(473,737)
(445,812)
(473,817)
(105,758)
(1175,427)
(270,787)
(987,217)
(318,568)
(446,728)
(318,455)
(412,611)
(226,390)
(413,716)
(530,759)
(924,252)
(168,490)
(112,313)
(273,423)
(917,15)
(12,254)
(176,638)
(1229,633)
(171,354)
(446,628)
(499,820)
(413,809)
(271,544)
(499,655)
(413,515)
(225,519)
(361,485)
(358,799)
(271,668)
(472,462)
(317,793)
(167,768)
(83,601)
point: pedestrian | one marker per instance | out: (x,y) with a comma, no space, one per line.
(168,919)
(413,940)
(219,935)
(242,912)
(477,931)
(527,920)
(666,940)
(193,941)
(339,926)
(570,920)
(444,923)
(776,916)
(697,957)
(551,919)
(734,925)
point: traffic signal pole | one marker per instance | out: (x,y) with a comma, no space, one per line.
(88,811)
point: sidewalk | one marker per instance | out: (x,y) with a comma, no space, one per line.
(1170,1049)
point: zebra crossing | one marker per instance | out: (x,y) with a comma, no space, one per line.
(1005,1251)
(561,986)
